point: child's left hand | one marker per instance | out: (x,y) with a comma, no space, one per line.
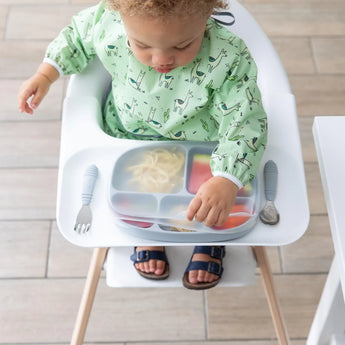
(213,202)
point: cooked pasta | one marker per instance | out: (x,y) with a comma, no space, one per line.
(159,171)
(174,228)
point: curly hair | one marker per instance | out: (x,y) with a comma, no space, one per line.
(165,8)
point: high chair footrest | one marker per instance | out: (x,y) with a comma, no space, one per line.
(239,267)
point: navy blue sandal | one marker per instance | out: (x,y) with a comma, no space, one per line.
(147,255)
(208,266)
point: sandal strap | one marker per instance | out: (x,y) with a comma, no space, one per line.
(210,266)
(212,251)
(147,255)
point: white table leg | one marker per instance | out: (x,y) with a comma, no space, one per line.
(330,314)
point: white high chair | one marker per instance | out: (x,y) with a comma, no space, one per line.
(83,143)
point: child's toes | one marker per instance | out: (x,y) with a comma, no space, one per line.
(202,276)
(160,267)
(152,266)
(147,268)
(193,277)
(140,267)
(143,267)
(209,278)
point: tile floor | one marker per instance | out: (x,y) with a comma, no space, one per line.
(42,276)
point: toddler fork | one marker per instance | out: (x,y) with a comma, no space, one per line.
(84,218)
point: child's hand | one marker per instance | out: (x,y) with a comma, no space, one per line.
(213,202)
(37,86)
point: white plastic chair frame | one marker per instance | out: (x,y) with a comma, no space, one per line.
(93,85)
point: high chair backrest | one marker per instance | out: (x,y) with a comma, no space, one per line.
(271,73)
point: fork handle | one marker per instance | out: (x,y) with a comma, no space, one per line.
(89,181)
(270,179)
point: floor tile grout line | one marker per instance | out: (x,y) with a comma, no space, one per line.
(48,249)
(313,56)
(277,274)
(6,22)
(103,278)
(30,168)
(58,120)
(25,220)
(210,342)
(46,4)
(205,304)
(42,278)
(281,261)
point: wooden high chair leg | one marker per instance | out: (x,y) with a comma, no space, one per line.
(267,277)
(95,268)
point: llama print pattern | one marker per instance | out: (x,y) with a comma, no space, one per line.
(197,75)
(135,83)
(214,62)
(165,80)
(181,104)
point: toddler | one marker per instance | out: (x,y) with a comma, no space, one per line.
(176,75)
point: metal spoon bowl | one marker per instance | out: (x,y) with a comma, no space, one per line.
(269,214)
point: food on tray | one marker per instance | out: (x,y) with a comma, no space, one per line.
(174,228)
(200,172)
(134,204)
(137,223)
(236,220)
(158,171)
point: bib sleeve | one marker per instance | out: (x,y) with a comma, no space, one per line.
(72,50)
(237,108)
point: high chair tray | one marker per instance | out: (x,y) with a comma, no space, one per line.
(106,232)
(156,216)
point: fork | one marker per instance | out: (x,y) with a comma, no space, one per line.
(84,217)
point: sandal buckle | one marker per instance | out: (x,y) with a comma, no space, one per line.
(214,268)
(143,256)
(217,252)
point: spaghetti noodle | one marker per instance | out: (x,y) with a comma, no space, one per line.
(160,171)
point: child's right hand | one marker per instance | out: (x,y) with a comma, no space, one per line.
(213,201)
(37,86)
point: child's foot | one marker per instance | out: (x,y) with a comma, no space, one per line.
(151,262)
(201,276)
(205,268)
(152,266)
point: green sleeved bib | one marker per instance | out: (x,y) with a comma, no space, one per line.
(214,98)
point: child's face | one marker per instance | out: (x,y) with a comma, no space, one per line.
(165,44)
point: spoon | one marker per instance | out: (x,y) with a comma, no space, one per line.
(269,214)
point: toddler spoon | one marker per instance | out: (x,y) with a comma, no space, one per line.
(269,214)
